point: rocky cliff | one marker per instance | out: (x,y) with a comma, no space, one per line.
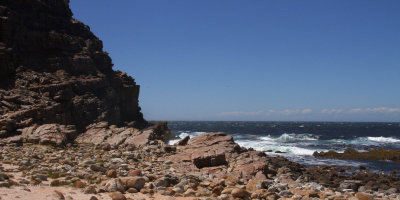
(53,70)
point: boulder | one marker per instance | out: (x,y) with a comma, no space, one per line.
(53,134)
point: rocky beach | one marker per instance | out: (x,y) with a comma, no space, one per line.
(71,128)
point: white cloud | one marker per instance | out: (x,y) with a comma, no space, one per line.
(305,111)
(268,112)
(360,110)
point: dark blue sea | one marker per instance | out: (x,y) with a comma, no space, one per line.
(299,140)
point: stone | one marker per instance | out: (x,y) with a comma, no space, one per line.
(134,182)
(240,193)
(53,134)
(183,141)
(363,196)
(136,172)
(59,195)
(132,190)
(114,185)
(91,189)
(117,196)
(112,173)
(254,185)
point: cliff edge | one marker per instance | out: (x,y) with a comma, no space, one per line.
(53,70)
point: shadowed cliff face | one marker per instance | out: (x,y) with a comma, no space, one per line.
(53,70)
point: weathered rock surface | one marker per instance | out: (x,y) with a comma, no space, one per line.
(54,71)
(101,133)
(217,153)
(350,154)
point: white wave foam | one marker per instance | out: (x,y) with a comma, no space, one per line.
(182,135)
(384,139)
(268,145)
(290,138)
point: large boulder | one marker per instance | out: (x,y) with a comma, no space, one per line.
(217,153)
(101,133)
(53,134)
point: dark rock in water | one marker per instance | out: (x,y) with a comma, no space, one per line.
(183,141)
(372,155)
(54,71)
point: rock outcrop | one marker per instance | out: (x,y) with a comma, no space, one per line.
(371,155)
(53,70)
(218,154)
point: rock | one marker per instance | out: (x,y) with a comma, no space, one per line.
(53,134)
(285,193)
(240,193)
(364,196)
(350,154)
(93,198)
(183,141)
(111,173)
(132,190)
(117,196)
(91,189)
(134,182)
(349,184)
(136,172)
(254,185)
(114,185)
(59,195)
(189,192)
(56,72)
(391,191)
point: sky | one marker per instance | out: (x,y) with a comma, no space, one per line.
(255,60)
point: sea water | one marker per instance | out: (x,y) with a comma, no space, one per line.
(299,140)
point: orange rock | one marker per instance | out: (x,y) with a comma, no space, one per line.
(111,173)
(364,196)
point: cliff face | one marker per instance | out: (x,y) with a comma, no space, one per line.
(53,71)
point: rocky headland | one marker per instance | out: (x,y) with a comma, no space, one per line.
(351,154)
(71,128)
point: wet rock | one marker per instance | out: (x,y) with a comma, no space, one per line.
(183,141)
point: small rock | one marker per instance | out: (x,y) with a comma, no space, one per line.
(136,172)
(363,196)
(112,173)
(59,195)
(114,185)
(117,196)
(132,190)
(90,190)
(134,182)
(240,193)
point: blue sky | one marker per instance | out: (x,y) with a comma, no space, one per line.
(255,60)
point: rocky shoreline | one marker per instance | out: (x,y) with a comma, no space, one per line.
(71,128)
(210,166)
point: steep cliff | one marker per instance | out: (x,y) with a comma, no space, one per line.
(53,70)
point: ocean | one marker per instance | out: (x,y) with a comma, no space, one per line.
(299,140)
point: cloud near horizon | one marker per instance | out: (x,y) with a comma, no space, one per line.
(327,111)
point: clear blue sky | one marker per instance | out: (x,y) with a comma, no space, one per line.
(255,60)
